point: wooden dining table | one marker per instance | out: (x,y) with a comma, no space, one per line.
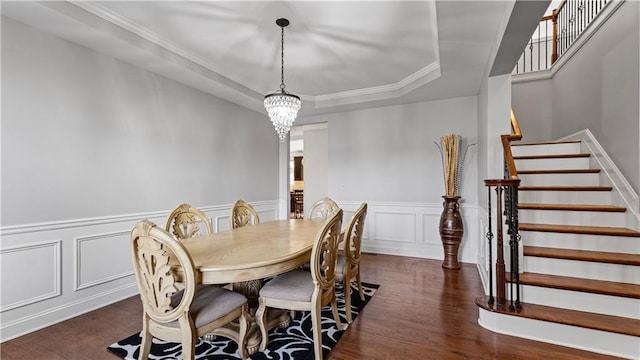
(252,252)
(243,257)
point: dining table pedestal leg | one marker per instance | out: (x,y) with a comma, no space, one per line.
(275,317)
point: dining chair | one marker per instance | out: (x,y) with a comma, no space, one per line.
(349,260)
(243,214)
(306,291)
(180,315)
(323,209)
(184,222)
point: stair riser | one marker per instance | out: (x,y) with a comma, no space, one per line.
(582,269)
(603,342)
(546,149)
(582,301)
(565,197)
(588,179)
(621,244)
(552,164)
(582,218)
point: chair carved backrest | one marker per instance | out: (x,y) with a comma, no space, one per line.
(184,222)
(152,250)
(324,254)
(353,236)
(323,209)
(243,214)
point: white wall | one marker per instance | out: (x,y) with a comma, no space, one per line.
(386,156)
(493,121)
(597,87)
(90,145)
(316,158)
(531,103)
(85,135)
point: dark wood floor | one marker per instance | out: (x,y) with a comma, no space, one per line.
(420,312)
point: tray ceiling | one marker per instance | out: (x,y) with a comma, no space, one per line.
(338,55)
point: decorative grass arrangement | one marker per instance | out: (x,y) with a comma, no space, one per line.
(452,161)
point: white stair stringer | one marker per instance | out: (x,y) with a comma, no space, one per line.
(582,301)
(581,269)
(604,342)
(579,218)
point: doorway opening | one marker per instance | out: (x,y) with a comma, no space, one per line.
(296,172)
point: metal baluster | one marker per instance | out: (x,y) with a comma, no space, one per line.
(517,245)
(489,237)
(500,278)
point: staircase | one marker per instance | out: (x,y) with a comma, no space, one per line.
(580,268)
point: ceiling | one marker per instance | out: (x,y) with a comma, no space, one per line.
(338,55)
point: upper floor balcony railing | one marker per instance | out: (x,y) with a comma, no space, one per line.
(556,32)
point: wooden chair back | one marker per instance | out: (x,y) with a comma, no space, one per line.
(184,222)
(324,254)
(323,209)
(353,236)
(152,250)
(243,214)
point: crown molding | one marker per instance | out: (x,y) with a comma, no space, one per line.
(225,85)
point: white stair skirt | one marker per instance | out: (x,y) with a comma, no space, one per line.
(602,342)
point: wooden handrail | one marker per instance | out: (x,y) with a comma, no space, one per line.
(516,134)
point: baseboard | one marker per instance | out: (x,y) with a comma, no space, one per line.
(37,321)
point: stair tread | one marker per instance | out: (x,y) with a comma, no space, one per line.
(579,229)
(583,255)
(558,171)
(551,156)
(545,143)
(615,324)
(580,284)
(571,207)
(566,188)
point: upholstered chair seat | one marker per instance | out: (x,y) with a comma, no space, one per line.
(306,290)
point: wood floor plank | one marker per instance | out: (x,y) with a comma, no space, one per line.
(421,311)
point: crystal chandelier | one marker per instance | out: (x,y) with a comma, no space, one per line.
(282,106)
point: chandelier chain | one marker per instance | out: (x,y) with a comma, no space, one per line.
(282,86)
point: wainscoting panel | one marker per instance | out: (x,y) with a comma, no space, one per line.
(95,255)
(412,229)
(34,270)
(395,226)
(58,270)
(430,222)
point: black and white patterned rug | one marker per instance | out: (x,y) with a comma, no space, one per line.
(294,342)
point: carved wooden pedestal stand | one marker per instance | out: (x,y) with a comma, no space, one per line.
(451,231)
